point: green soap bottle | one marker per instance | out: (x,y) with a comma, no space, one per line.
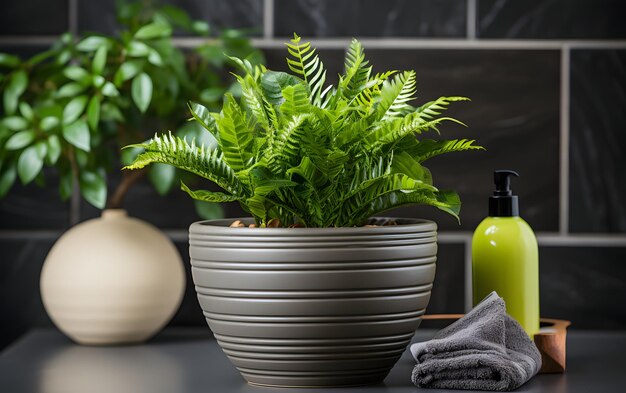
(505,256)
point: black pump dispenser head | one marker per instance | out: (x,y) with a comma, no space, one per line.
(503,203)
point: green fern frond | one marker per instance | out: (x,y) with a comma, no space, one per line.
(434,108)
(285,148)
(428,148)
(447,201)
(208,196)
(235,138)
(203,116)
(296,101)
(209,164)
(263,111)
(294,150)
(395,95)
(357,72)
(308,66)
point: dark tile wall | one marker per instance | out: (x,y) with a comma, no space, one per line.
(501,116)
(370,18)
(511,66)
(26,18)
(99,15)
(598,141)
(585,19)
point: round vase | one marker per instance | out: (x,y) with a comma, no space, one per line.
(112,280)
(312,307)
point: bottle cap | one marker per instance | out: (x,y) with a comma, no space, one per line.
(503,203)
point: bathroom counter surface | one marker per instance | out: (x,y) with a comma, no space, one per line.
(186,360)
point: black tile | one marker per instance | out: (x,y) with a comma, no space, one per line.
(448,293)
(598,141)
(100,16)
(514,113)
(586,285)
(551,19)
(33,17)
(34,207)
(20,302)
(370,18)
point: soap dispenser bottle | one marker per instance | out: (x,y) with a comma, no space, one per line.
(505,256)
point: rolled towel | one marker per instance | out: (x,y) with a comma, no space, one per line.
(484,350)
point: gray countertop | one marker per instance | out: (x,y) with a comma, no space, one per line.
(189,360)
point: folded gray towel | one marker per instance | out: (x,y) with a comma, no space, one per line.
(484,350)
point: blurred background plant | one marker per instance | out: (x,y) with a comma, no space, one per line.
(74,105)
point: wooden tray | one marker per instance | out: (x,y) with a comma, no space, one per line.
(550,341)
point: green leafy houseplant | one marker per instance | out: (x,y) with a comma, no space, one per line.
(72,106)
(294,151)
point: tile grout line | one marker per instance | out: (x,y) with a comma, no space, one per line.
(564,141)
(545,239)
(390,43)
(268,19)
(471,19)
(73,17)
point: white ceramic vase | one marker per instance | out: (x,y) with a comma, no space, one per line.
(112,280)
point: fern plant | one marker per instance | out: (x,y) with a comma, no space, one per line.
(293,150)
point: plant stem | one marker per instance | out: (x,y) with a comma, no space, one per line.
(75,196)
(128,179)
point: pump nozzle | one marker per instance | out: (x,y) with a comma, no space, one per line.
(502,178)
(503,203)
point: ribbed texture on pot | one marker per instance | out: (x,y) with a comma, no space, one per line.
(313,306)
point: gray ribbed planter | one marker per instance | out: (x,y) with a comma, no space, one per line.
(313,306)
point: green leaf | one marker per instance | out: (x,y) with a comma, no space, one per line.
(26,111)
(7,178)
(99,60)
(74,109)
(208,196)
(93,112)
(137,49)
(48,123)
(234,136)
(93,188)
(203,116)
(7,60)
(70,90)
(14,89)
(91,43)
(128,70)
(54,149)
(29,164)
(273,83)
(20,140)
(153,30)
(212,94)
(200,27)
(15,123)
(141,91)
(77,134)
(208,210)
(99,81)
(162,177)
(110,90)
(155,58)
(77,74)
(307,65)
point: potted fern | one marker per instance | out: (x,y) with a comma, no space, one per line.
(313,291)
